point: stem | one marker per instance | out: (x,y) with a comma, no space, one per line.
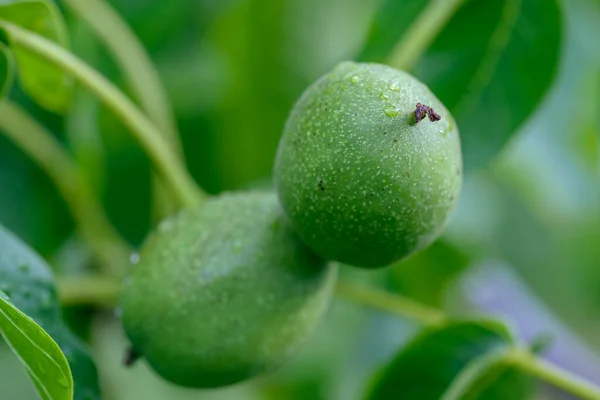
(81,122)
(141,76)
(133,60)
(89,290)
(165,160)
(391,303)
(554,375)
(422,32)
(103,292)
(40,146)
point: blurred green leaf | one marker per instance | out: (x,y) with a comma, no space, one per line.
(425,275)
(48,85)
(491,65)
(461,359)
(389,24)
(26,278)
(7,69)
(256,103)
(42,358)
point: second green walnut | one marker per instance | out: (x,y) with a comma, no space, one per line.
(362,180)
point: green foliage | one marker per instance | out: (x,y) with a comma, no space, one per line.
(425,276)
(44,361)
(494,79)
(361,182)
(48,85)
(458,360)
(7,69)
(224,292)
(27,280)
(387,27)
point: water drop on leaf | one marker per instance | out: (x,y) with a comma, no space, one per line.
(62,381)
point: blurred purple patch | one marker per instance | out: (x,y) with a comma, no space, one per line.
(495,289)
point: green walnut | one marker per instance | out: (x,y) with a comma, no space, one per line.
(224,292)
(364,177)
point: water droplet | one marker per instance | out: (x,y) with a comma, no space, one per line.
(355,79)
(390,111)
(62,381)
(384,96)
(134,258)
(45,300)
(41,369)
(166,225)
(394,87)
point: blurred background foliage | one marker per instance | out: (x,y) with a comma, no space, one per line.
(233,69)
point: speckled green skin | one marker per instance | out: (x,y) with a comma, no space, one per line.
(224,292)
(360,181)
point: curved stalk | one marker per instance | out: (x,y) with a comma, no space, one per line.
(141,76)
(164,158)
(90,290)
(133,61)
(554,375)
(393,303)
(422,32)
(39,144)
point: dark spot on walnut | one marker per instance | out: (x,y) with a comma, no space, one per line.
(422,110)
(321,186)
(131,356)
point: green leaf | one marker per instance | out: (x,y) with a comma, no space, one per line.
(425,276)
(7,69)
(491,81)
(44,361)
(26,278)
(461,359)
(46,84)
(391,21)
